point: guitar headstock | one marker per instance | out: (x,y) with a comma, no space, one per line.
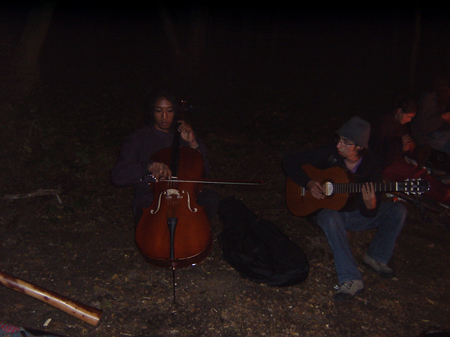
(414,186)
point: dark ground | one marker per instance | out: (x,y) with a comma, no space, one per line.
(84,247)
(68,136)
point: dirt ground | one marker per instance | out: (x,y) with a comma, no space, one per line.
(81,245)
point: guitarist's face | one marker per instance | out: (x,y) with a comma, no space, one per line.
(347,149)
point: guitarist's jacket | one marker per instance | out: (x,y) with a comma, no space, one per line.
(369,170)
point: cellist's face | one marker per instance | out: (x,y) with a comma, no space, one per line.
(163,114)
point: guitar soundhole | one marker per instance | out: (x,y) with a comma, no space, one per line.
(328,188)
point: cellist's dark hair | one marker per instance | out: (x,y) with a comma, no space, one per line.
(150,110)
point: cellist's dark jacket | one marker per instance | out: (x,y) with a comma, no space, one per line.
(369,170)
(131,167)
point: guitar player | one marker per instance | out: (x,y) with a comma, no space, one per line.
(363,211)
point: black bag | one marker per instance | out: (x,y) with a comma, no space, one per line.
(258,249)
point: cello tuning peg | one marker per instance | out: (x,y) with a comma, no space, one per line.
(186,107)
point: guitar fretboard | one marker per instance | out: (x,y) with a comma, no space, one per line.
(408,186)
(356,187)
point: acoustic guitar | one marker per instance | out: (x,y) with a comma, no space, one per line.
(338,188)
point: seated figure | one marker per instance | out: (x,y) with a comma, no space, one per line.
(393,142)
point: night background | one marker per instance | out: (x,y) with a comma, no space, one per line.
(343,57)
(261,81)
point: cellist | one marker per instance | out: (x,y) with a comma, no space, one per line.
(134,167)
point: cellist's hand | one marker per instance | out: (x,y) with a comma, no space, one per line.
(187,134)
(159,171)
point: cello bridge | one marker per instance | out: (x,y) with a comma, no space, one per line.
(173,192)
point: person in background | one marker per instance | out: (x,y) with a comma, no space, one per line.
(391,136)
(392,140)
(365,211)
(431,125)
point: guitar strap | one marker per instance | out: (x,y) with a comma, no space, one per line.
(332,161)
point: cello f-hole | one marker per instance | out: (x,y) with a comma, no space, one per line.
(189,202)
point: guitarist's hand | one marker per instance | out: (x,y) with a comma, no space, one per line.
(316,189)
(368,193)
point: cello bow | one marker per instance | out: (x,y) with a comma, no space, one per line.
(217,181)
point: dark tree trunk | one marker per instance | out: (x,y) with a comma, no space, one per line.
(186,41)
(25,68)
(415,50)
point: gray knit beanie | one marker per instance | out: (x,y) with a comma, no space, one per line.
(357,130)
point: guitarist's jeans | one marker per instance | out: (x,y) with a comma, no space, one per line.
(389,221)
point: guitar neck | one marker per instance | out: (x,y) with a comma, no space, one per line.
(356,187)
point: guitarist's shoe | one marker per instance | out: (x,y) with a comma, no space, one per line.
(380,267)
(348,290)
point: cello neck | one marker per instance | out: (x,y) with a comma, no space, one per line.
(175,157)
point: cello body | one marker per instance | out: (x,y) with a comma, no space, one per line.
(175,232)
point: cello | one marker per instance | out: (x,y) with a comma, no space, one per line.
(174,232)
